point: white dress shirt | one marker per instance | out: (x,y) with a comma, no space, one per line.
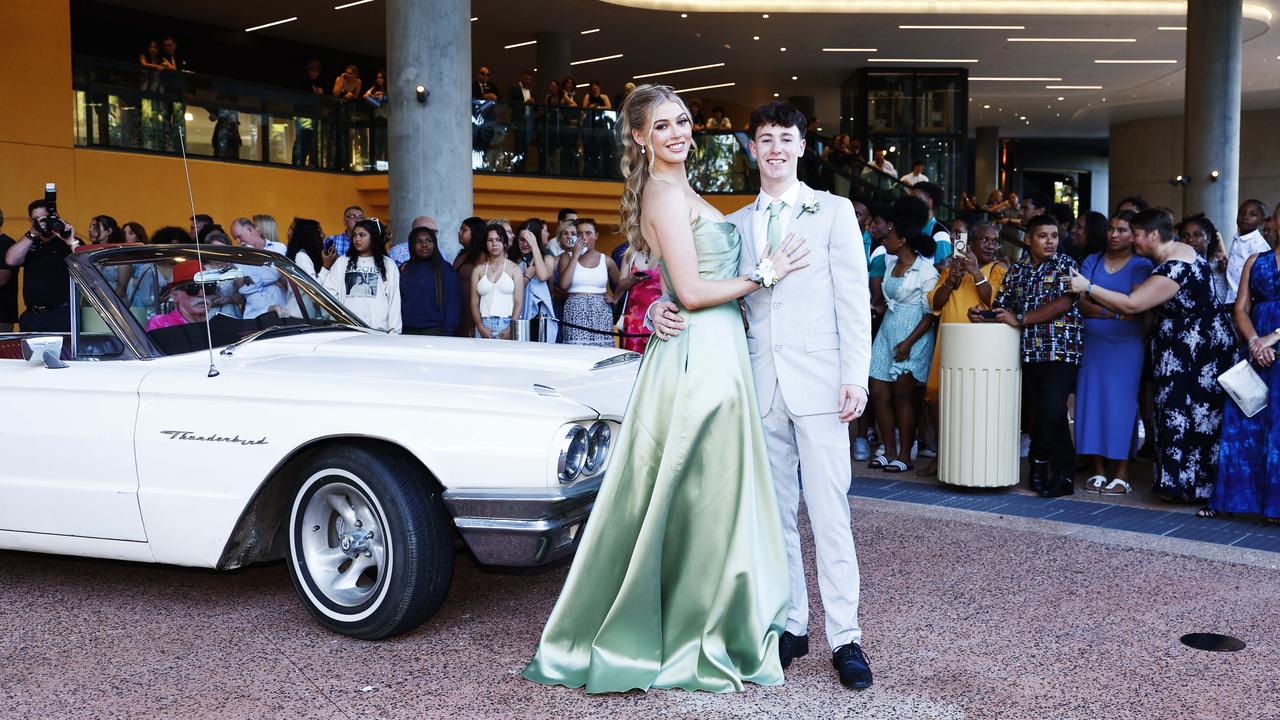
(1241,248)
(913,178)
(761,216)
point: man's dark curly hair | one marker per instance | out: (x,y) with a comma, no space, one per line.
(782,114)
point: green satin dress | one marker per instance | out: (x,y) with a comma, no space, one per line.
(681,577)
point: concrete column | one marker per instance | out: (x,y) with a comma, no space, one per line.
(986,161)
(553,59)
(430,144)
(1211,140)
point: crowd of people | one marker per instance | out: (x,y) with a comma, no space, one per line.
(505,283)
(1125,322)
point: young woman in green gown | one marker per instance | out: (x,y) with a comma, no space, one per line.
(681,577)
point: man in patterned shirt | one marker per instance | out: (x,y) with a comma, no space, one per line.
(1036,299)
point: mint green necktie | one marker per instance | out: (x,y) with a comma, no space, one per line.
(774,230)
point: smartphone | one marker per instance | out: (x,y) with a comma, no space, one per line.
(962,243)
(987,314)
(328,245)
(641,274)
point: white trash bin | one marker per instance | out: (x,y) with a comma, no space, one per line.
(981,404)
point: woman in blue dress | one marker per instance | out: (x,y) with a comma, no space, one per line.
(1249,463)
(1107,386)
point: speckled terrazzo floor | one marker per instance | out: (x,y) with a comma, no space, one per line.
(966,614)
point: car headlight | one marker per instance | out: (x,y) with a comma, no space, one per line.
(573,453)
(597,447)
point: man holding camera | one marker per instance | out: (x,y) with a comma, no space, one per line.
(42,254)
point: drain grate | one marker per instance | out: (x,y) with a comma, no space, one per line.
(1212,642)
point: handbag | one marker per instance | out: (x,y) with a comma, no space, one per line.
(1245,387)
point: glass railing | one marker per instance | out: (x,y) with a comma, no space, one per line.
(128,107)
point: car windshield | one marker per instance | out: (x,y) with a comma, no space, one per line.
(170,291)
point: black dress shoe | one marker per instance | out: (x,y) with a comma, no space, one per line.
(851,663)
(1059,486)
(791,647)
(1038,477)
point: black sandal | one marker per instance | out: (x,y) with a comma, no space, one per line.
(1206,512)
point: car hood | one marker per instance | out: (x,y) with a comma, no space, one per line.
(599,378)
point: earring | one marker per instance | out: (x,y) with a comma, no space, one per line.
(641,149)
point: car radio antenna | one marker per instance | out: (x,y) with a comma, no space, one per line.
(208,330)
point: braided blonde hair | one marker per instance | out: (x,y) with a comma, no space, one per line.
(637,160)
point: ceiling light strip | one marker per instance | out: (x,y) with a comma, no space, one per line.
(271,24)
(1172,27)
(866,50)
(705,87)
(962,27)
(923,60)
(594,60)
(588,32)
(1014,79)
(1073,87)
(519,44)
(351,4)
(1070,40)
(1136,62)
(677,70)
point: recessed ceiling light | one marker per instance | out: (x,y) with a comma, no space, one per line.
(588,32)
(962,27)
(1073,87)
(684,15)
(765,16)
(351,4)
(474,19)
(986,107)
(1060,98)
(705,87)
(1070,40)
(1136,62)
(1172,27)
(782,49)
(755,37)
(863,50)
(1014,79)
(677,70)
(794,77)
(271,24)
(520,44)
(598,59)
(923,60)
(775,94)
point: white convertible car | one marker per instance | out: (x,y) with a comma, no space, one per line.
(358,457)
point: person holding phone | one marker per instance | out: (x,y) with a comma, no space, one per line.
(972,278)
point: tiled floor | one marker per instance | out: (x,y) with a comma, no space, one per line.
(1170,521)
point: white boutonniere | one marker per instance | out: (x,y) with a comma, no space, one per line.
(810,205)
(766,274)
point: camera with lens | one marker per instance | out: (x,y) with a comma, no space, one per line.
(51,224)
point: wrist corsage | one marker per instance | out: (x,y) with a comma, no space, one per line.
(765,274)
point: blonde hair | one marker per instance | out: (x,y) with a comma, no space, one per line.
(267,227)
(637,160)
(566,225)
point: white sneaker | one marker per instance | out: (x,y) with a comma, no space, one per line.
(1024,446)
(861,449)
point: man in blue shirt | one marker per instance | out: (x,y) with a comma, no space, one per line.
(342,241)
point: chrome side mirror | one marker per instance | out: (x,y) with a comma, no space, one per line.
(43,350)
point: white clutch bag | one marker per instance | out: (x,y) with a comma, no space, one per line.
(1245,387)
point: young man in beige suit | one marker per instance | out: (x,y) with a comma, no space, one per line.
(810,347)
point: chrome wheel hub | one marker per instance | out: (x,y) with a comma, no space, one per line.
(343,542)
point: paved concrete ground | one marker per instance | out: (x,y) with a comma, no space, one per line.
(967,615)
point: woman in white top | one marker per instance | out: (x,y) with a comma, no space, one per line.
(589,276)
(497,287)
(366,281)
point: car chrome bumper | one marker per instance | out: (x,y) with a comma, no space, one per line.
(514,528)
